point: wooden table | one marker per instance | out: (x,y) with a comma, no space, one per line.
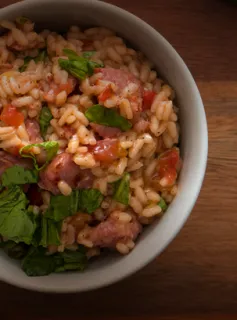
(196,276)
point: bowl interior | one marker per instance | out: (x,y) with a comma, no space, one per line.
(58,15)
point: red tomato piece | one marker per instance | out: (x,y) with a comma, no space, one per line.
(168,164)
(11,116)
(148,97)
(106,150)
(68,87)
(105,94)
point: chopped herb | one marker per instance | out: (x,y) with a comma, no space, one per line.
(37,263)
(40,57)
(26,62)
(87,200)
(90,200)
(107,117)
(76,65)
(19,175)
(88,54)
(44,120)
(162,204)
(49,233)
(50,147)
(63,206)
(16,223)
(121,189)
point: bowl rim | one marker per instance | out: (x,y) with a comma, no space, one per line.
(19,281)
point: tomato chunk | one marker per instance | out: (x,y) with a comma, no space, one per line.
(105,94)
(68,87)
(168,164)
(106,150)
(11,116)
(148,98)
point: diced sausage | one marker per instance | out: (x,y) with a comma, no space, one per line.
(105,132)
(122,79)
(63,168)
(111,231)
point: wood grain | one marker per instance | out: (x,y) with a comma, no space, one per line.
(196,277)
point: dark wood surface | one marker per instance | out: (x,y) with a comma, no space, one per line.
(196,276)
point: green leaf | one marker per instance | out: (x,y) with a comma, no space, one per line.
(121,189)
(87,200)
(71,260)
(16,223)
(26,62)
(72,55)
(90,200)
(50,147)
(19,175)
(40,57)
(78,66)
(63,206)
(107,117)
(78,69)
(44,120)
(88,54)
(15,250)
(49,233)
(163,204)
(37,263)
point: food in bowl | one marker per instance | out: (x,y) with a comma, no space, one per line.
(89,145)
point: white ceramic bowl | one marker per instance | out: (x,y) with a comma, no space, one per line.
(58,15)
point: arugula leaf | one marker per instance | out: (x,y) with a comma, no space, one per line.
(44,120)
(61,206)
(72,55)
(107,117)
(121,189)
(71,260)
(15,222)
(14,250)
(40,57)
(77,66)
(88,54)
(50,234)
(18,175)
(163,204)
(78,69)
(37,263)
(90,200)
(50,147)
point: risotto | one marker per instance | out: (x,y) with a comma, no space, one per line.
(88,146)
